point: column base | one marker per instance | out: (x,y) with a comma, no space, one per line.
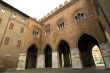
(75,58)
(55,62)
(40,61)
(105,49)
(21,62)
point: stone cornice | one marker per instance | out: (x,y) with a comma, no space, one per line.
(6,5)
(57,10)
(12,8)
(36,21)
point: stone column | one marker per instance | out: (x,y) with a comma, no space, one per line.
(21,61)
(55,60)
(75,58)
(40,61)
(105,49)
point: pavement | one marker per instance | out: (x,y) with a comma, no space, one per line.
(59,70)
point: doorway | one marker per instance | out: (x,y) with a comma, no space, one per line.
(48,56)
(64,54)
(86,45)
(31,57)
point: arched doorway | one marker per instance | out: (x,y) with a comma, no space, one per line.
(31,57)
(64,54)
(86,44)
(48,56)
(99,63)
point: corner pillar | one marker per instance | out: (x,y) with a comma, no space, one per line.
(105,49)
(40,61)
(55,61)
(21,61)
(75,58)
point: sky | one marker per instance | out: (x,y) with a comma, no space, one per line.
(35,8)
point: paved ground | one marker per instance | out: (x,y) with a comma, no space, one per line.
(61,70)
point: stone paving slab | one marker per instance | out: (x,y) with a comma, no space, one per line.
(61,70)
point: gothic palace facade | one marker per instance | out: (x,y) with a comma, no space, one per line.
(64,38)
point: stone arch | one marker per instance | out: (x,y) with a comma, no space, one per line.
(85,32)
(48,56)
(59,40)
(64,54)
(97,56)
(85,45)
(31,58)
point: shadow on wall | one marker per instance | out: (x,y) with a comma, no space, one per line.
(7,63)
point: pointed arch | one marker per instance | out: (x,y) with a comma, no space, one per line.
(31,58)
(86,44)
(64,54)
(48,56)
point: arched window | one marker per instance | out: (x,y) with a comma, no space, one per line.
(35,33)
(47,30)
(79,16)
(61,25)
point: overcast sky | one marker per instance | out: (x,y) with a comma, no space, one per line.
(35,8)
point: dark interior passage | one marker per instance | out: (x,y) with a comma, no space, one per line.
(64,54)
(31,57)
(48,56)
(85,45)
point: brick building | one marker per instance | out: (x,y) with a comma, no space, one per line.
(12,31)
(65,37)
